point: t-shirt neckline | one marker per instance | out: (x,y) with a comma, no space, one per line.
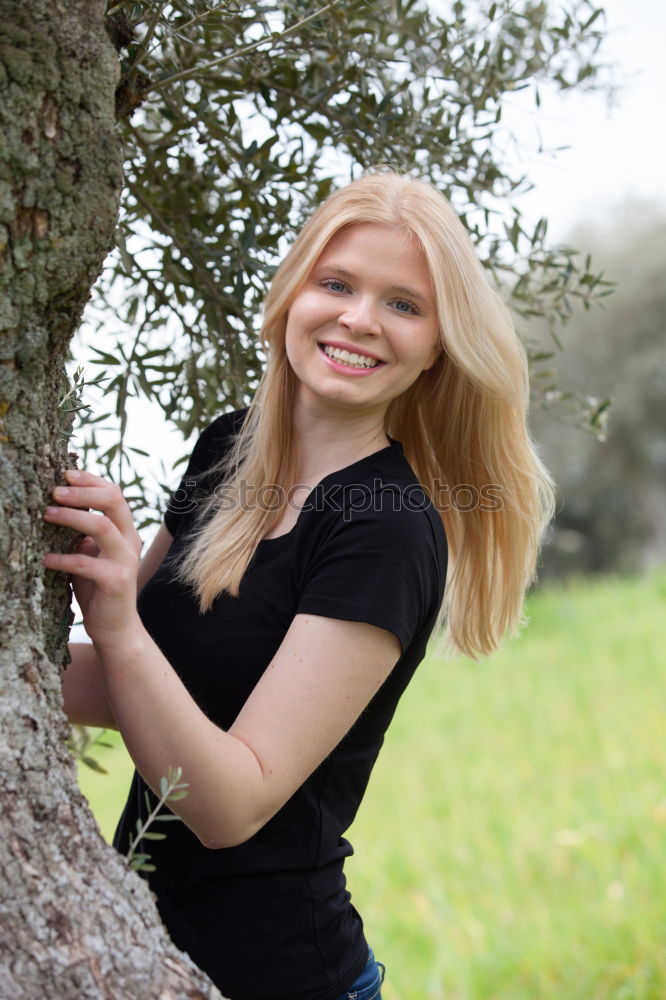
(393,447)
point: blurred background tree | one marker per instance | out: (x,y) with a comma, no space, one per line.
(613,490)
(238,119)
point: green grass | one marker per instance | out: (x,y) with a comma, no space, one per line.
(512,843)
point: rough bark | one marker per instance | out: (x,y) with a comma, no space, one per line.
(74,921)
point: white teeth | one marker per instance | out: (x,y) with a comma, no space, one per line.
(351,360)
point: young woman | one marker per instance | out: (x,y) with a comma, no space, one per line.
(290,593)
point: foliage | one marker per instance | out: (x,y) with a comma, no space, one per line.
(171,790)
(239,117)
(82,740)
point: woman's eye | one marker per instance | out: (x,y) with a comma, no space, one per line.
(334,285)
(401,305)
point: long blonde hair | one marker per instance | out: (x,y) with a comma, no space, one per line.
(461,423)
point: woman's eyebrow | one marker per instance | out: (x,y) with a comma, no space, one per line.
(411,293)
(343,272)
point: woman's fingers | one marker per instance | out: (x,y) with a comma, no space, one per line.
(112,577)
(103,568)
(89,491)
(88,546)
(98,527)
(110,548)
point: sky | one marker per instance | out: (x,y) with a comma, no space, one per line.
(615,153)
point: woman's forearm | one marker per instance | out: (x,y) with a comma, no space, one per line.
(83,689)
(160,722)
(163,727)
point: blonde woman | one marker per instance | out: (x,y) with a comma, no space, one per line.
(290,593)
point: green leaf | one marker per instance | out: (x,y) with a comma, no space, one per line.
(595,417)
(590,21)
(93,764)
(138,859)
(103,357)
(542,356)
(176,796)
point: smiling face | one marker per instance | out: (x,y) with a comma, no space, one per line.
(364,325)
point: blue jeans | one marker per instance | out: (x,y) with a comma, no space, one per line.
(369,984)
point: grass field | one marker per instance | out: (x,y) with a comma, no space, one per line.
(512,843)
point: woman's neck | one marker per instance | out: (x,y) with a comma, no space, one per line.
(333,440)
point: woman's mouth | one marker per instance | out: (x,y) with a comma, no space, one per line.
(349,360)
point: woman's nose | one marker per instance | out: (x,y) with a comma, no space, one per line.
(361,316)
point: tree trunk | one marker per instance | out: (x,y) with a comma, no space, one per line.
(74,921)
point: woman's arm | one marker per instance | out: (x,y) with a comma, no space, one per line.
(84,692)
(322,677)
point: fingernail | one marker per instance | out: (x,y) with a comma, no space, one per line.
(51,510)
(72,473)
(61,491)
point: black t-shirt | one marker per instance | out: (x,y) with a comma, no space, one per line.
(271,919)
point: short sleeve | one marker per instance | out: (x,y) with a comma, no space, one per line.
(385,567)
(210,449)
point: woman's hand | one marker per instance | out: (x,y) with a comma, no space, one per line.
(105,565)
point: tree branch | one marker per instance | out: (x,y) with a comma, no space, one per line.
(201,269)
(196,70)
(196,20)
(142,49)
